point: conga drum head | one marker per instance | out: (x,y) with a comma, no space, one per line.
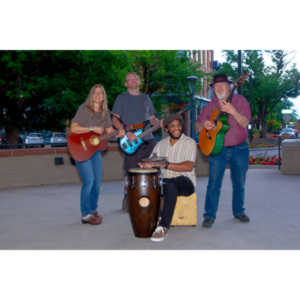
(142,171)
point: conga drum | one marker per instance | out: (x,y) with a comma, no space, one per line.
(143,200)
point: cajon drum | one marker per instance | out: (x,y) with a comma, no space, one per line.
(185,213)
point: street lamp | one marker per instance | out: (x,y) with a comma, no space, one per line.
(286,114)
(192,80)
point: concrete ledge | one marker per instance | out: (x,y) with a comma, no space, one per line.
(290,156)
(34,167)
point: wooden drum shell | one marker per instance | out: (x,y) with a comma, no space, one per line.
(143,200)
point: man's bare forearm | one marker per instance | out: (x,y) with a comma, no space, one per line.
(242,120)
(117,124)
(185,166)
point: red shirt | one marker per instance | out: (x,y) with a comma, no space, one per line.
(236,133)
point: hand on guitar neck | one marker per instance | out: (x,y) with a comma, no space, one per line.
(227,107)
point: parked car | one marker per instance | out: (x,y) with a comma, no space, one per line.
(287,133)
(58,139)
(294,129)
(34,139)
(47,136)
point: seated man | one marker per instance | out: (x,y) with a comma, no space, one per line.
(178,171)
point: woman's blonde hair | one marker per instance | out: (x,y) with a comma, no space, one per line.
(103,107)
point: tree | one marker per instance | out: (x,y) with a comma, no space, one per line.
(164,73)
(42,89)
(272,85)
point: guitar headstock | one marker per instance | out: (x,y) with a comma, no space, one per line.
(241,79)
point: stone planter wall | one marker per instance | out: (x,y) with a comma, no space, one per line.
(33,167)
(290,163)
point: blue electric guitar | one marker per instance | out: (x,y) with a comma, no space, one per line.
(130,147)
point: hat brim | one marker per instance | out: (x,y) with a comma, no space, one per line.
(213,83)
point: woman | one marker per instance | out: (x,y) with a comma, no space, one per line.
(92,115)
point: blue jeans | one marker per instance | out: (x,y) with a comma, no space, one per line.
(237,157)
(91,175)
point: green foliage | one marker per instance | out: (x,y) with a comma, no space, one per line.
(268,87)
(41,89)
(273,125)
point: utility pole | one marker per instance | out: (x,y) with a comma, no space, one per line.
(240,69)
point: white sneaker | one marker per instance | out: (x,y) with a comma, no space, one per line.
(159,234)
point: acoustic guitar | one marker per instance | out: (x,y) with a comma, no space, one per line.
(211,141)
(82,146)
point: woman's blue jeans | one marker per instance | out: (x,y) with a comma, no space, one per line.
(237,157)
(91,175)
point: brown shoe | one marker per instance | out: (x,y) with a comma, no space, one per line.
(92,220)
(96,215)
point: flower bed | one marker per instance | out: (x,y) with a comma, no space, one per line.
(270,160)
(261,145)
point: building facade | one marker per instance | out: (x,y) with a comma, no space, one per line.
(206,59)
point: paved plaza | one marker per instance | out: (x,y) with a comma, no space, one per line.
(48,217)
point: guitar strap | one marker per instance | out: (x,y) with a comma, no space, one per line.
(143,124)
(131,127)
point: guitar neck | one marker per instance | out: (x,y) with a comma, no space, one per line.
(105,136)
(150,130)
(238,82)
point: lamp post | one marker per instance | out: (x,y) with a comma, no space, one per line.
(192,86)
(286,114)
(251,104)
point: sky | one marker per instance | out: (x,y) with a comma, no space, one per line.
(295,58)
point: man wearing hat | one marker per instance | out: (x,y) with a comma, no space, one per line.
(235,152)
(178,171)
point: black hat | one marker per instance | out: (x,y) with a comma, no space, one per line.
(170,118)
(220,78)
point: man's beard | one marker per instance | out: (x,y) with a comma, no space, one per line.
(175,137)
(221,96)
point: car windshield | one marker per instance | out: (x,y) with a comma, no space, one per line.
(59,135)
(35,134)
(287,130)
